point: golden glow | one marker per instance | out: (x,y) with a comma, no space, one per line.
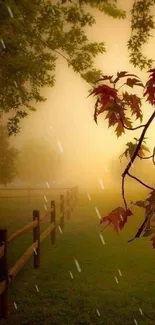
(88,148)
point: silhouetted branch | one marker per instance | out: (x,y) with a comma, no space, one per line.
(123,192)
(138,180)
(126,171)
(132,129)
(145,157)
(152,156)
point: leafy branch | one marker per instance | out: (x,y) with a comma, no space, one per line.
(126,171)
(115,106)
(132,129)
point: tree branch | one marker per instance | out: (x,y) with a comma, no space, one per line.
(132,129)
(152,156)
(62,56)
(123,192)
(138,180)
(126,171)
(139,143)
(145,157)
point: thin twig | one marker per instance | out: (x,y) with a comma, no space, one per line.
(126,171)
(123,193)
(138,180)
(145,157)
(132,129)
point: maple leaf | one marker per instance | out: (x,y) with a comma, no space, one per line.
(150,88)
(143,226)
(117,218)
(115,115)
(131,149)
(106,96)
(106,78)
(134,102)
(123,74)
(133,82)
(142,149)
(141,204)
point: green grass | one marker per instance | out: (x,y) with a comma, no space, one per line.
(65,301)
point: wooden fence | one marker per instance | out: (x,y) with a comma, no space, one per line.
(67,204)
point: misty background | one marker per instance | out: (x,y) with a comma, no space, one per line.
(90,151)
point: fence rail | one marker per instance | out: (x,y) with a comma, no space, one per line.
(67,203)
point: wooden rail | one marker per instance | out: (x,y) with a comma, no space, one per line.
(6,273)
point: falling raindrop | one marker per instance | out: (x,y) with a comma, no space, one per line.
(45,198)
(102,239)
(120,273)
(60,229)
(101,183)
(89,197)
(10,11)
(47,184)
(15,305)
(15,84)
(97,212)
(35,251)
(37,288)
(60,146)
(77,265)
(98,313)
(3,44)
(71,274)
(141,311)
(116,280)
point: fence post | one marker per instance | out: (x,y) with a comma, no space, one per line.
(53,232)
(36,237)
(4,275)
(68,205)
(62,221)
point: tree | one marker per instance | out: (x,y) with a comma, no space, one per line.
(33,35)
(38,162)
(142,23)
(114,103)
(8,156)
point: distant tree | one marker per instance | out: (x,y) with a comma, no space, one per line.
(8,156)
(34,34)
(38,162)
(115,103)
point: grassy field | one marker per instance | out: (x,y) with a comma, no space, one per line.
(62,300)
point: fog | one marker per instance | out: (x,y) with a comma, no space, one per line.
(90,151)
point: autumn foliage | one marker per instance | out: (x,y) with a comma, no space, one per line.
(117,104)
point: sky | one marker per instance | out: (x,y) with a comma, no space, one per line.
(90,151)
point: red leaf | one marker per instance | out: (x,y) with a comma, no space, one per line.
(135,104)
(106,97)
(123,74)
(133,82)
(150,88)
(117,218)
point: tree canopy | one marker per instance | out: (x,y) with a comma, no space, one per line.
(33,35)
